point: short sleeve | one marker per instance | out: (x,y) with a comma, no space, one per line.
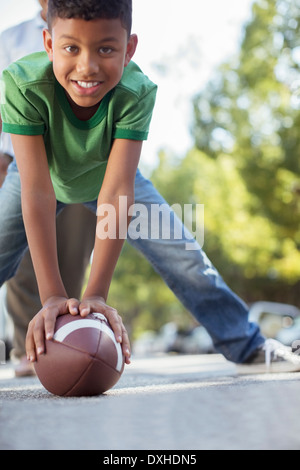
(4,57)
(18,114)
(134,120)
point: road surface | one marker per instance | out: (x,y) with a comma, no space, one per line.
(187,403)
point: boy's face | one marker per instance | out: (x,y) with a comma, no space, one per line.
(88,57)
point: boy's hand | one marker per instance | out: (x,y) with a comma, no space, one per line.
(98,305)
(43,323)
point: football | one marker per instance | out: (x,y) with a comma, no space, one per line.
(82,359)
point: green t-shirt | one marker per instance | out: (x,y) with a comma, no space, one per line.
(34,103)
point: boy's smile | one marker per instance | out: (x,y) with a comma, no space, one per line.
(88,59)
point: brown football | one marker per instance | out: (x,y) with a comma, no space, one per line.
(83,359)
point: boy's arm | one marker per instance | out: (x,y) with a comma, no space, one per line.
(39,214)
(119,181)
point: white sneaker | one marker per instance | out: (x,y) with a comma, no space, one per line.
(271,357)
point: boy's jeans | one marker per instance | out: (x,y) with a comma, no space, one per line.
(188,273)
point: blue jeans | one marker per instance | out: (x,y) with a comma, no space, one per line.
(188,273)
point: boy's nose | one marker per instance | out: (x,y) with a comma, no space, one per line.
(87,65)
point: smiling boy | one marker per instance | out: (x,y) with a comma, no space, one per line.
(77,115)
(77,122)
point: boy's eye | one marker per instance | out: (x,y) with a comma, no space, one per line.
(105,50)
(71,49)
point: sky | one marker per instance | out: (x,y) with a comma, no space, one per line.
(180,45)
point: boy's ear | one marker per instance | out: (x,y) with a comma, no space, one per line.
(48,43)
(131,48)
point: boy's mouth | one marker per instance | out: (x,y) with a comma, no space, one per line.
(85,87)
(87,84)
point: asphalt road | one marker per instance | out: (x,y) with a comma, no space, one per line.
(163,403)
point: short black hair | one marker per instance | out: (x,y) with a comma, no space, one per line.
(90,10)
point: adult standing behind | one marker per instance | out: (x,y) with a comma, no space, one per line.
(74,251)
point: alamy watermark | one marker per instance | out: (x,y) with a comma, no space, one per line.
(152,222)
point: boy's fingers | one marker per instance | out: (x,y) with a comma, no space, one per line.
(115,322)
(126,346)
(84,310)
(121,334)
(43,324)
(73,306)
(30,348)
(49,324)
(39,335)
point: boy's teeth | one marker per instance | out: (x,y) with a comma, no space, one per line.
(87,84)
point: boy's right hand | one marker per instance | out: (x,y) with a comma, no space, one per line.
(43,323)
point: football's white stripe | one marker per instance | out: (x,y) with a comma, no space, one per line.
(68,328)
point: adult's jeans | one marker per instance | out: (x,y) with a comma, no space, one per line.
(188,272)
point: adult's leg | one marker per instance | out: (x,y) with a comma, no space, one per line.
(195,281)
(13,241)
(76,227)
(22,302)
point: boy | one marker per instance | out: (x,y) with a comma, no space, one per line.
(90,49)
(54,113)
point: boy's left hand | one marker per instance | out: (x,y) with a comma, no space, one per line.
(98,305)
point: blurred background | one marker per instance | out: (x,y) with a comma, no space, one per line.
(225,133)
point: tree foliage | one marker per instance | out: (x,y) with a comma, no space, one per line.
(246,122)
